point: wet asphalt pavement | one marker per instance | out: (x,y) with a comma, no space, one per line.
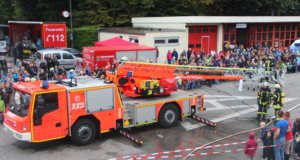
(233,110)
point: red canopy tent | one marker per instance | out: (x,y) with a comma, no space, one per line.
(116,41)
(115,49)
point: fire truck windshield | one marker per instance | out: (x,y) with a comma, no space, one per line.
(19,103)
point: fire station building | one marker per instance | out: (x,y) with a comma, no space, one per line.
(208,32)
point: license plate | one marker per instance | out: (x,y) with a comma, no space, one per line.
(5,129)
(12,133)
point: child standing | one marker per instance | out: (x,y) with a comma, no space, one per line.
(263,135)
(251,146)
(269,151)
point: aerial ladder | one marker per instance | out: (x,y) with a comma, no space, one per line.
(253,75)
(135,79)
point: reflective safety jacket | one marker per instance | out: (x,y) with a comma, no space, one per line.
(268,65)
(278,99)
(264,96)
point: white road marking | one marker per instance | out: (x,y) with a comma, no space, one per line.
(160,136)
(232,99)
(218,106)
(232,107)
(229,116)
(222,107)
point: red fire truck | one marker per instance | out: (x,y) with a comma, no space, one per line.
(83,108)
(37,35)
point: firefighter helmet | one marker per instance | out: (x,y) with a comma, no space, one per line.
(265,84)
(277,86)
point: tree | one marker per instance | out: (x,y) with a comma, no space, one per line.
(109,13)
(253,8)
(6,11)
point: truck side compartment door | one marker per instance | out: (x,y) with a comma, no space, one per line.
(100,102)
(47,117)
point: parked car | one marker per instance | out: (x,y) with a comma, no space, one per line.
(73,51)
(3,47)
(64,57)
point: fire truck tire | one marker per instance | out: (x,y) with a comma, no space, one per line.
(168,116)
(83,132)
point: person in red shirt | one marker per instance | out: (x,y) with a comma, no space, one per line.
(251,146)
(288,136)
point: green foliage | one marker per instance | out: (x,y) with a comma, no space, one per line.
(84,36)
(5,8)
(108,13)
(38,10)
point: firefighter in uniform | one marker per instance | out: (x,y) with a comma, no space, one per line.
(268,64)
(263,101)
(278,98)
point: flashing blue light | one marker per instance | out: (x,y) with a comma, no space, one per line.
(129,74)
(45,84)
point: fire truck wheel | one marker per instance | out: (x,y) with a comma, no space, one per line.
(168,116)
(83,132)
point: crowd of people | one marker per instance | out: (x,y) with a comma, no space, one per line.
(239,57)
(48,69)
(279,142)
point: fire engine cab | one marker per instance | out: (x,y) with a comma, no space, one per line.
(83,108)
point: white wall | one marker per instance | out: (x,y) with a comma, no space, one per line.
(161,25)
(104,36)
(214,19)
(220,37)
(183,43)
(148,40)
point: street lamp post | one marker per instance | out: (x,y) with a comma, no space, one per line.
(71,24)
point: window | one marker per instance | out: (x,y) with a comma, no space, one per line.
(212,30)
(166,41)
(58,55)
(191,45)
(159,41)
(277,35)
(277,27)
(198,45)
(232,36)
(282,35)
(287,35)
(198,30)
(270,36)
(48,100)
(19,103)
(265,28)
(191,30)
(173,41)
(258,36)
(264,36)
(229,35)
(226,38)
(292,35)
(67,56)
(205,30)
